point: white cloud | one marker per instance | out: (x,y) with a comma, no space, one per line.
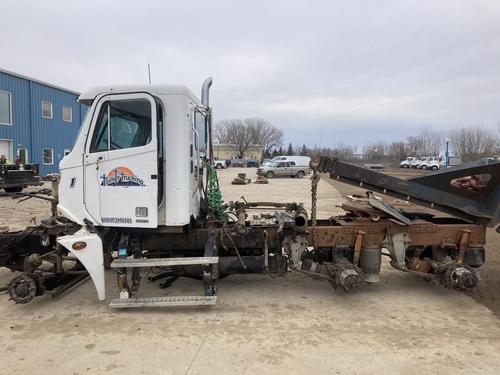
(383,67)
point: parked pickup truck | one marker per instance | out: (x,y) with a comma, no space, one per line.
(219,164)
(283,168)
(13,178)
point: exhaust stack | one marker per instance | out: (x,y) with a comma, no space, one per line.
(205,91)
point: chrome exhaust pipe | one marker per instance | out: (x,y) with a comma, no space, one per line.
(205,91)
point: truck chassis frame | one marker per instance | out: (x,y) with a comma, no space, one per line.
(346,249)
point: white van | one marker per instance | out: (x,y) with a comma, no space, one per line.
(300,161)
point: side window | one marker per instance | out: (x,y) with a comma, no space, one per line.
(292,163)
(122,124)
(201,128)
(282,164)
(100,137)
(130,123)
(288,165)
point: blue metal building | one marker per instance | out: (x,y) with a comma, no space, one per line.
(38,120)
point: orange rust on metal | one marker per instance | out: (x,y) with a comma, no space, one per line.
(357,246)
(464,242)
(419,265)
(422,233)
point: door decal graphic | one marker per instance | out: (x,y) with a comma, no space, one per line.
(121,176)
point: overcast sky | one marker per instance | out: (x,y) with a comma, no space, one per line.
(323,71)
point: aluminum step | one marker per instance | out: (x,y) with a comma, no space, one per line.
(118,303)
(159,262)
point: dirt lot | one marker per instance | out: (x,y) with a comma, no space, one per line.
(261,325)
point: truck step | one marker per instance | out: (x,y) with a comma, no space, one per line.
(118,303)
(159,262)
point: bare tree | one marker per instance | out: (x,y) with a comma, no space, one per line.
(265,134)
(375,151)
(233,131)
(432,141)
(244,133)
(397,151)
(415,146)
(427,142)
(474,142)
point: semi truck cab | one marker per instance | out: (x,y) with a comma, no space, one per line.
(137,159)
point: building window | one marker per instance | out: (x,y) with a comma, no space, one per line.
(46,109)
(5,108)
(67,114)
(48,156)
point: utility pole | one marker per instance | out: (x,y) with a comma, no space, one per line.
(149,73)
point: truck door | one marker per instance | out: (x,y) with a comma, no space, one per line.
(281,169)
(121,166)
(288,169)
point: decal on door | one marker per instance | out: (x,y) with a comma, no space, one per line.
(121,176)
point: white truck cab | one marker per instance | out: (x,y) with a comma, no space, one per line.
(432,163)
(415,163)
(406,163)
(120,171)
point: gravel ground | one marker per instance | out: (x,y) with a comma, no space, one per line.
(287,325)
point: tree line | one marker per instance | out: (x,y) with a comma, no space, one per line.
(469,143)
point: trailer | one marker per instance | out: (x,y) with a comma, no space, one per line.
(139,191)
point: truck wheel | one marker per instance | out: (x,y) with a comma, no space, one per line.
(406,166)
(434,168)
(300,174)
(14,189)
(424,166)
(269,174)
(218,166)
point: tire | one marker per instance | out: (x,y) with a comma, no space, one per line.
(14,189)
(434,168)
(406,166)
(218,166)
(300,174)
(423,167)
(270,174)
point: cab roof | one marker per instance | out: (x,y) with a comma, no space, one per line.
(89,96)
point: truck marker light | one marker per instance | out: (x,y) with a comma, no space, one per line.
(79,245)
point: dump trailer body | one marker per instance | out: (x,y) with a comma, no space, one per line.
(436,190)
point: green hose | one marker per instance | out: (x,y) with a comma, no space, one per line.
(217,209)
